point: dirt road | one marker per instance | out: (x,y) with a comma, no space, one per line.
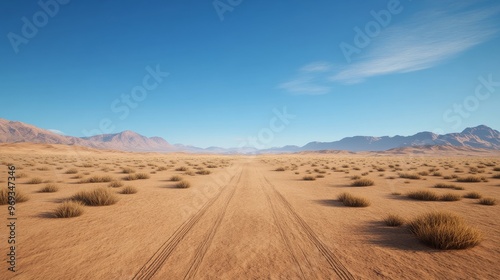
(248,230)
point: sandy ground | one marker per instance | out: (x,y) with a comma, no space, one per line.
(244,220)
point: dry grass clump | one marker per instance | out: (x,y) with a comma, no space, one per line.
(137,176)
(488,201)
(450,197)
(469,179)
(68,209)
(183,184)
(394,220)
(409,176)
(161,168)
(203,172)
(21,175)
(447,186)
(395,193)
(96,197)
(128,170)
(128,190)
(175,178)
(182,168)
(49,188)
(444,231)
(473,195)
(34,181)
(353,201)
(115,184)
(96,179)
(308,178)
(19,196)
(362,183)
(279,169)
(496,176)
(71,171)
(423,195)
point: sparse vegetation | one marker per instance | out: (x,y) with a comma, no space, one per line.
(96,179)
(279,169)
(68,209)
(35,181)
(49,188)
(128,190)
(19,196)
(308,178)
(362,183)
(423,195)
(409,176)
(469,179)
(96,197)
(449,197)
(182,168)
(352,201)
(115,184)
(203,172)
(128,170)
(175,178)
(183,184)
(447,186)
(444,231)
(488,201)
(393,220)
(473,195)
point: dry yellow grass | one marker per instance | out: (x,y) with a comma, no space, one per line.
(363,183)
(352,201)
(128,190)
(183,184)
(68,209)
(96,197)
(19,196)
(394,220)
(445,231)
(49,188)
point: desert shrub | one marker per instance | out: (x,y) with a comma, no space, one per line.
(447,186)
(423,173)
(308,178)
(19,196)
(362,183)
(355,177)
(444,231)
(423,195)
(279,169)
(320,176)
(68,209)
(496,169)
(96,197)
(409,176)
(469,179)
(183,184)
(49,188)
(473,195)
(97,179)
(394,220)
(115,184)
(352,201)
(175,178)
(488,201)
(142,176)
(182,168)
(128,190)
(34,181)
(161,168)
(449,197)
(496,176)
(128,170)
(396,193)
(203,172)
(437,174)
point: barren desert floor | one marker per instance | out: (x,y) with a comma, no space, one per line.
(244,217)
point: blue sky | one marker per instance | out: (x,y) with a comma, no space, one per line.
(341,68)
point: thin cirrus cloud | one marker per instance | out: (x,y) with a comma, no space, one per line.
(423,41)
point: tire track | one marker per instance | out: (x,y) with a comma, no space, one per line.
(205,244)
(332,260)
(152,266)
(280,225)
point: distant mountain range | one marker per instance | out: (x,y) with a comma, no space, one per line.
(480,137)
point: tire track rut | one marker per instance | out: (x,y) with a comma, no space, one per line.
(155,263)
(332,260)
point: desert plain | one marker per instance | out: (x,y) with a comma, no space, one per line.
(245,216)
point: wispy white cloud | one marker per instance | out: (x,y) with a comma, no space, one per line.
(427,39)
(56,131)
